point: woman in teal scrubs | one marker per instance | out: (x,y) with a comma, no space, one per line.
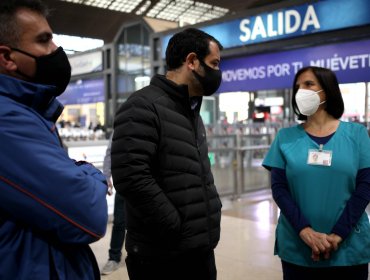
(320,174)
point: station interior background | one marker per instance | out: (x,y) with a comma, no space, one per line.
(115,47)
(119,40)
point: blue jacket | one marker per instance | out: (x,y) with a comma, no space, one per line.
(51,207)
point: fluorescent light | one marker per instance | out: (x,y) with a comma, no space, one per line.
(185,10)
(172,10)
(142,79)
(76,44)
(143,8)
(126,6)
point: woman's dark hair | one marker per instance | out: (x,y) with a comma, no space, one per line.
(185,42)
(329,83)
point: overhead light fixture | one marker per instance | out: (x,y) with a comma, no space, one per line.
(125,6)
(74,1)
(185,10)
(172,10)
(143,8)
(98,3)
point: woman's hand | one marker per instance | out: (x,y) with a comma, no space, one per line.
(334,240)
(318,242)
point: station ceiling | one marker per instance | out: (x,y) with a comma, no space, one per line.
(78,19)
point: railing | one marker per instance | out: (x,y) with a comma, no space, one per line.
(236,162)
(235,159)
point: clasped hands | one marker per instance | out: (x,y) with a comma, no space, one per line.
(320,243)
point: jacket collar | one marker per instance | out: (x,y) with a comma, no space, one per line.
(36,96)
(180,91)
(169,86)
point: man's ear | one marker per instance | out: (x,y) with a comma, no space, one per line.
(191,61)
(6,62)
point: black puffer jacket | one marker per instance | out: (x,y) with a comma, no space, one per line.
(160,166)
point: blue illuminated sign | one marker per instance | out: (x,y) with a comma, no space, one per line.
(295,21)
(350,62)
(83,92)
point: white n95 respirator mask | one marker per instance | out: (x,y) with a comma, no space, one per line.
(308,101)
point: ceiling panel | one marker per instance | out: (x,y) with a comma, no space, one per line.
(87,21)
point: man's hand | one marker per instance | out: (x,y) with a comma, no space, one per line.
(110,186)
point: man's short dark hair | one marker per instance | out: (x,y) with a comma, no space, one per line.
(9,30)
(329,83)
(185,42)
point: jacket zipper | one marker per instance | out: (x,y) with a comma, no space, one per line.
(195,120)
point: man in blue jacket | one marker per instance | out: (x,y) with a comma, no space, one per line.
(51,207)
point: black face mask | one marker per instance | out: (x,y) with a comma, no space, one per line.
(210,81)
(52,69)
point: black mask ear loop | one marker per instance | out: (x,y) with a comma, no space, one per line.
(25,53)
(197,75)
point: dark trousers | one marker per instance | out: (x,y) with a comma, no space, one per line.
(296,272)
(118,229)
(191,266)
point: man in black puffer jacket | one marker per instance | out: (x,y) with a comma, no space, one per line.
(160,166)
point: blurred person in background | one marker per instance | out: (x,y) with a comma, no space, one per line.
(160,166)
(320,174)
(51,207)
(119,228)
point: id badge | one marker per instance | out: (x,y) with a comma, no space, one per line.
(319,157)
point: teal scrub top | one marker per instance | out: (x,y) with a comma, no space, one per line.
(321,192)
